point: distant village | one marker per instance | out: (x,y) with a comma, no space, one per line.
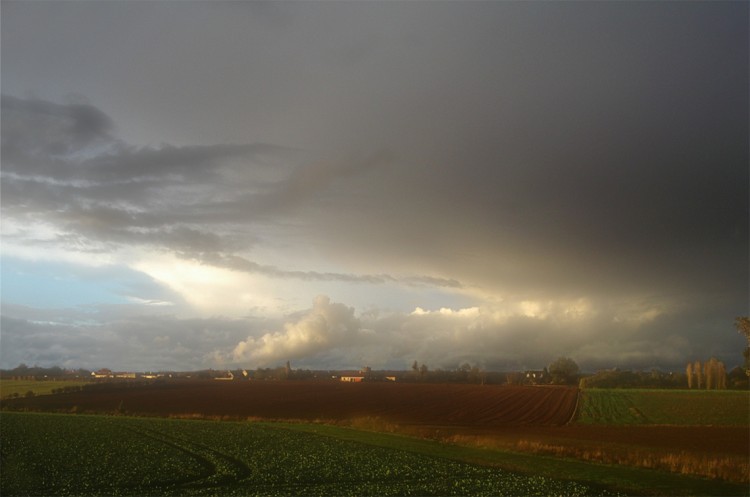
(708,375)
(467,373)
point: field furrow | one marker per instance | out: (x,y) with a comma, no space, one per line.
(449,404)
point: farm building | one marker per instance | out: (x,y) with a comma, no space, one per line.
(352,379)
(536,377)
(227,376)
(102,373)
(107,373)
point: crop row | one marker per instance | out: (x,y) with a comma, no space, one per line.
(46,454)
(664,407)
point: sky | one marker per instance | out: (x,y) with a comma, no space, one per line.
(190,185)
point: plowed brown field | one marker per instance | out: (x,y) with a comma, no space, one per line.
(425,404)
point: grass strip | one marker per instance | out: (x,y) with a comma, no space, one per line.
(9,388)
(634,481)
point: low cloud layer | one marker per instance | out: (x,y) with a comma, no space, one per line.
(332,334)
(124,337)
(515,335)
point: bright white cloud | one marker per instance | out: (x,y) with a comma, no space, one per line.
(327,325)
(445,311)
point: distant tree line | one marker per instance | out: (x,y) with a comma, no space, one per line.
(616,378)
(563,371)
(22,371)
(279,373)
(465,373)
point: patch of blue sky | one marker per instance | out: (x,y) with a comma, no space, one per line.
(46,284)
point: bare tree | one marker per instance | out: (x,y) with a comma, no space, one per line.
(689,374)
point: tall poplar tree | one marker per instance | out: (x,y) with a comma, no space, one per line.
(742,323)
(709,371)
(722,374)
(698,372)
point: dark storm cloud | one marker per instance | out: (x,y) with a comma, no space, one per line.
(177,198)
(72,143)
(40,127)
(550,146)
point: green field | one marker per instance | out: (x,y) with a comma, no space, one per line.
(664,407)
(10,388)
(52,454)
(58,455)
